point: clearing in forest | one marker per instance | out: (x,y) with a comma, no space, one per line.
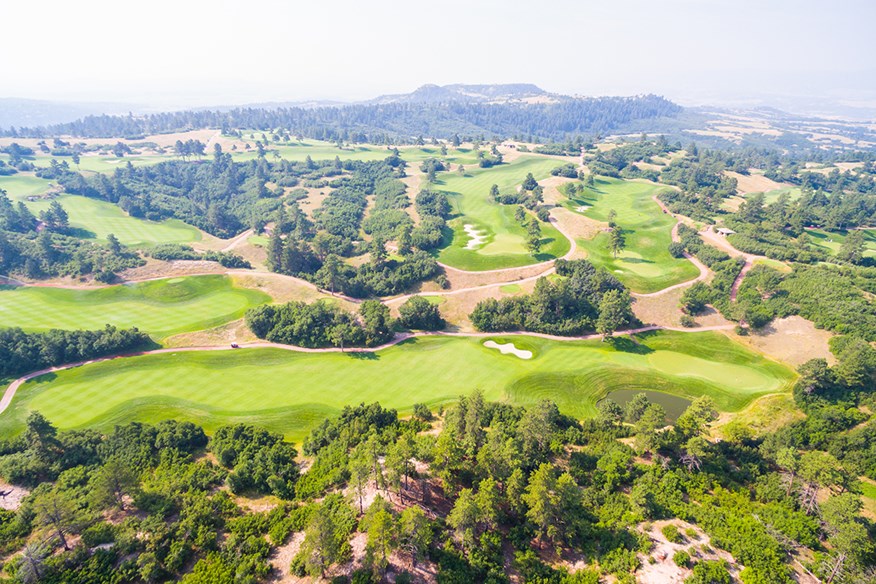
(160,307)
(504,239)
(290,392)
(645,265)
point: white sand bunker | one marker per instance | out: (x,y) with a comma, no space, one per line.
(583,208)
(509,348)
(477,237)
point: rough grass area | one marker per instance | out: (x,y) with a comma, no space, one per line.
(646,264)
(289,392)
(21,186)
(161,307)
(505,238)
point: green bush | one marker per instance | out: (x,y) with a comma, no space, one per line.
(681,559)
(672,534)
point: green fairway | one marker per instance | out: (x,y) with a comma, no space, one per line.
(20,186)
(646,264)
(103,163)
(831,241)
(318,150)
(160,307)
(289,392)
(504,244)
(770,197)
(95,219)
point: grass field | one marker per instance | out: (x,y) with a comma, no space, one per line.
(505,243)
(831,241)
(94,219)
(161,307)
(103,163)
(290,392)
(645,265)
(20,186)
(770,197)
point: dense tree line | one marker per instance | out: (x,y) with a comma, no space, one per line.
(21,352)
(376,123)
(177,251)
(584,299)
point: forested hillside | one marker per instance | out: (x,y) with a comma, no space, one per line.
(377,123)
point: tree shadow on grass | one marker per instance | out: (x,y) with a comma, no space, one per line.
(636,261)
(629,345)
(80,233)
(363,355)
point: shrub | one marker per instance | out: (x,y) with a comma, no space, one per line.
(681,558)
(419,313)
(671,533)
(687,321)
(676,249)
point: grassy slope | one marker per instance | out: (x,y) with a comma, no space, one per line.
(96,219)
(160,307)
(645,265)
(289,392)
(505,245)
(831,241)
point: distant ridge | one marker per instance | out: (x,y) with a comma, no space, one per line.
(459,92)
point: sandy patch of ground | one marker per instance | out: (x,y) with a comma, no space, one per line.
(460,279)
(232,332)
(509,349)
(476,237)
(413,181)
(754,182)
(552,185)
(577,226)
(664,570)
(313,200)
(12,500)
(792,340)
(285,288)
(172,269)
(282,559)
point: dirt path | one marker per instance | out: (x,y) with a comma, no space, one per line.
(6,400)
(711,237)
(238,241)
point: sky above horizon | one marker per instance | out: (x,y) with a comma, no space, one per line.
(185,53)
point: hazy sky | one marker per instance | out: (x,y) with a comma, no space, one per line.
(208,52)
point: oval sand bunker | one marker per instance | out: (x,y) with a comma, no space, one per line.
(509,348)
(476,236)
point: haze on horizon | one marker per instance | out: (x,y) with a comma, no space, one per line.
(171,54)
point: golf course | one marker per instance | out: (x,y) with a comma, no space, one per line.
(645,265)
(289,391)
(160,308)
(503,239)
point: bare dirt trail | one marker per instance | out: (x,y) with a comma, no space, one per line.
(6,400)
(711,237)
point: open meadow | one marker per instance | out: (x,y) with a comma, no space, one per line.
(503,238)
(645,265)
(290,391)
(160,307)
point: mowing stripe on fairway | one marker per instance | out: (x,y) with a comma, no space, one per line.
(160,307)
(276,387)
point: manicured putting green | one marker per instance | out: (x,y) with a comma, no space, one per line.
(645,265)
(161,307)
(94,219)
(504,244)
(289,392)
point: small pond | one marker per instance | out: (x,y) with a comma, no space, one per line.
(673,404)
